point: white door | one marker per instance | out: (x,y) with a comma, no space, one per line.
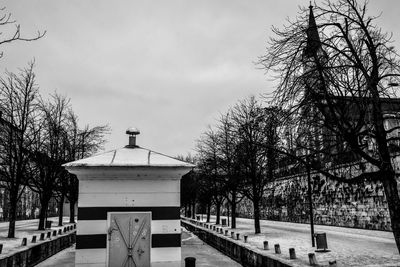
(129,239)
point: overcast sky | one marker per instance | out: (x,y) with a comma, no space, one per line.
(166,67)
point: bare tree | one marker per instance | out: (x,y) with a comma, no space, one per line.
(81,143)
(252,126)
(11,35)
(210,171)
(334,78)
(18,102)
(49,152)
(228,161)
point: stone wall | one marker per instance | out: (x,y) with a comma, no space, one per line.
(361,206)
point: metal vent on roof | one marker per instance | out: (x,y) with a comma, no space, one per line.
(132,132)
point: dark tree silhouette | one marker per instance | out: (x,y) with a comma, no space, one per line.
(18,105)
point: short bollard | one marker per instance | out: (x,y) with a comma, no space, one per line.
(266,245)
(55,233)
(292,253)
(237,236)
(33,239)
(245,239)
(277,249)
(65,229)
(222,231)
(24,241)
(226,232)
(332,263)
(59,232)
(48,235)
(41,236)
(233,234)
(1,248)
(312,259)
(190,262)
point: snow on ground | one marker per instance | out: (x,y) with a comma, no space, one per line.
(348,246)
(26,228)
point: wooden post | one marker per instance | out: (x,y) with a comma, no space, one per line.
(41,236)
(277,249)
(24,241)
(33,239)
(292,253)
(312,259)
(266,245)
(332,263)
(190,262)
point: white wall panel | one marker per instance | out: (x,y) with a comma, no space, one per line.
(93,227)
(129,186)
(166,264)
(129,200)
(85,256)
(165,254)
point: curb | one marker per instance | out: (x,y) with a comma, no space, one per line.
(39,252)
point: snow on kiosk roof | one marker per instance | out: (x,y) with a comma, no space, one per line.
(129,157)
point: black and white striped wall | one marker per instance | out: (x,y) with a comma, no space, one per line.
(146,191)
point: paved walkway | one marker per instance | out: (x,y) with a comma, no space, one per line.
(348,246)
(192,246)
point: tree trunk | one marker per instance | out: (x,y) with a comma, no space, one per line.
(12,213)
(72,211)
(208,211)
(256,209)
(190,210)
(227,212)
(194,210)
(218,211)
(61,210)
(44,204)
(393,200)
(233,211)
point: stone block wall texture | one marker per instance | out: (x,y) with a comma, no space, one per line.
(38,253)
(247,257)
(361,205)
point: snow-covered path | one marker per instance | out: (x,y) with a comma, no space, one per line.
(349,246)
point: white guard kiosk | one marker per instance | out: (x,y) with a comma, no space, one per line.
(129,207)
